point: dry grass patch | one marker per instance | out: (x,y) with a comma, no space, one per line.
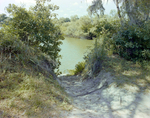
(27,85)
(31,96)
(129,73)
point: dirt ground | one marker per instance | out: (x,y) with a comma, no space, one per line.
(101,98)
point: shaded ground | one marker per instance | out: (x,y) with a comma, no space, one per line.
(101,98)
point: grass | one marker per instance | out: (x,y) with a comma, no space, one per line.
(128,73)
(30,96)
(27,89)
(79,67)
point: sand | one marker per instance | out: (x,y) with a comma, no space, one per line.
(100,97)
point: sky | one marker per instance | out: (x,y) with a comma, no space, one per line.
(67,8)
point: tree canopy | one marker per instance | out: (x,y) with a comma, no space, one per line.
(136,10)
(35,28)
(3,19)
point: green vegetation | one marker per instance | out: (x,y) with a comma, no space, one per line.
(29,53)
(95,58)
(77,27)
(128,73)
(126,36)
(35,28)
(79,68)
(86,27)
(29,47)
(133,42)
(26,95)
(4,19)
(27,84)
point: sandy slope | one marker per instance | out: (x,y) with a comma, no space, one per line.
(100,98)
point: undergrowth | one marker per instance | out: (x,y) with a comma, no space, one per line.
(128,73)
(27,83)
(78,69)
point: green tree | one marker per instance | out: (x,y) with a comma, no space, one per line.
(86,24)
(63,20)
(131,39)
(67,20)
(35,28)
(113,13)
(136,10)
(4,19)
(74,18)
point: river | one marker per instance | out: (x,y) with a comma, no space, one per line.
(73,51)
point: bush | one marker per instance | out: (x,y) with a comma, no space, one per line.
(107,26)
(16,51)
(133,42)
(94,59)
(79,68)
(34,27)
(27,84)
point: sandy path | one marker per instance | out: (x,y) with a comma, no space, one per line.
(100,98)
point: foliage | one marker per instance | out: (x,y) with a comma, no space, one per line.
(63,20)
(128,73)
(106,26)
(71,29)
(137,11)
(96,8)
(94,59)
(88,28)
(79,68)
(29,47)
(86,23)
(13,49)
(27,84)
(133,42)
(81,28)
(4,19)
(130,37)
(35,28)
(29,93)
(74,18)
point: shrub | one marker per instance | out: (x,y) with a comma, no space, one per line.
(79,68)
(94,59)
(133,42)
(105,25)
(35,28)
(26,83)
(16,51)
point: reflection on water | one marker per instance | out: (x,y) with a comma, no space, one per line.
(73,51)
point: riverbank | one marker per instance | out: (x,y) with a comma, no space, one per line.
(118,91)
(100,97)
(121,89)
(80,37)
(28,86)
(72,52)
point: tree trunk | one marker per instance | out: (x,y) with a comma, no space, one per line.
(118,11)
(129,13)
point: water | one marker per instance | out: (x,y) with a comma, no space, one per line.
(73,51)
